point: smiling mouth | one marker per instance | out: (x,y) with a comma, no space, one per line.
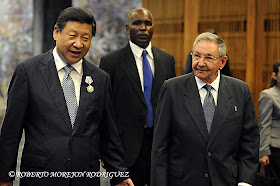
(201,70)
(75,53)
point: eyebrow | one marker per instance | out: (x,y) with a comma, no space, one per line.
(204,55)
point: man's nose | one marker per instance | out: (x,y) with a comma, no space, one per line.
(201,62)
(143,26)
(78,43)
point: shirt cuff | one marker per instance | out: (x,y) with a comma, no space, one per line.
(243,184)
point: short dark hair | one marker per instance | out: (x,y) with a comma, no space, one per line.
(276,66)
(76,14)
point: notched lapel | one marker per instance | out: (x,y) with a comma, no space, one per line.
(130,68)
(159,74)
(85,96)
(50,76)
(222,110)
(194,107)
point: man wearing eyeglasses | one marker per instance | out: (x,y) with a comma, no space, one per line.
(206,131)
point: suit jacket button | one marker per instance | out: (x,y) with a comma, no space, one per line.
(206,175)
(69,161)
(209,154)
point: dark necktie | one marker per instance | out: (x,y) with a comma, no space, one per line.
(209,107)
(69,94)
(148,84)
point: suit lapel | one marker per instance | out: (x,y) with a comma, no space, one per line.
(85,96)
(129,66)
(194,106)
(50,76)
(276,92)
(222,109)
(158,75)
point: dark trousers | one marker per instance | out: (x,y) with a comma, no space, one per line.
(140,171)
(275,164)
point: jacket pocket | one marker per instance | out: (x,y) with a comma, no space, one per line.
(176,171)
(33,161)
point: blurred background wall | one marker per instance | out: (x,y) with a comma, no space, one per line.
(27,25)
(15,40)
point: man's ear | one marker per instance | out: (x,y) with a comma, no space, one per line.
(55,33)
(224,61)
(127,29)
(273,75)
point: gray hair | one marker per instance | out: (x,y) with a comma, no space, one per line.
(212,37)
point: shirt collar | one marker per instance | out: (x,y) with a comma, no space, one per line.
(215,84)
(137,51)
(60,64)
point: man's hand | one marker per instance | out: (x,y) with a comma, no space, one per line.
(6,184)
(264,160)
(127,182)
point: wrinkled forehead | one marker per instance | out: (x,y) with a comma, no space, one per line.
(206,47)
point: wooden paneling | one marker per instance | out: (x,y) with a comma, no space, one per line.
(191,15)
(251,43)
(250,29)
(168,30)
(271,39)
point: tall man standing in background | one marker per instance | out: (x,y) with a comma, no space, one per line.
(206,129)
(63,103)
(137,73)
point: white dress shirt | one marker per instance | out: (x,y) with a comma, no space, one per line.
(76,74)
(137,52)
(203,92)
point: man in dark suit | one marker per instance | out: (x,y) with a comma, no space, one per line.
(134,110)
(205,136)
(64,136)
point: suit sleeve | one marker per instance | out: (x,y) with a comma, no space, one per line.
(104,65)
(162,127)
(12,128)
(247,157)
(265,113)
(111,149)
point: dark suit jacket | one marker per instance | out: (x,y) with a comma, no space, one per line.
(128,98)
(36,104)
(185,154)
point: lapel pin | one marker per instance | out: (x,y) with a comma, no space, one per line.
(235,108)
(89,80)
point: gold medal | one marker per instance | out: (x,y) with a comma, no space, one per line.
(90,89)
(89,80)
